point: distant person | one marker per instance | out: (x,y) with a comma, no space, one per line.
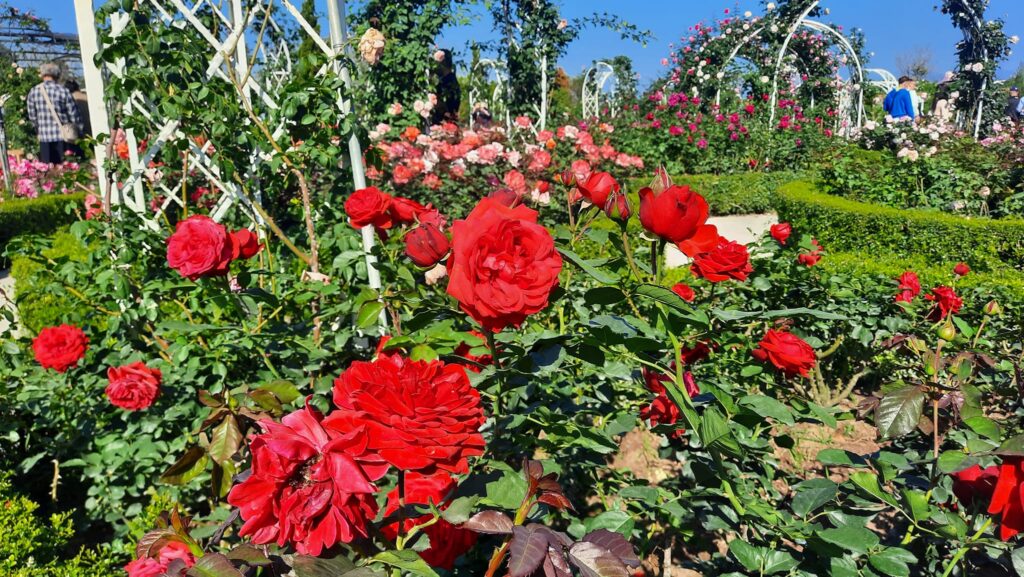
(82,102)
(943,110)
(449,93)
(899,103)
(481,118)
(1013,105)
(54,114)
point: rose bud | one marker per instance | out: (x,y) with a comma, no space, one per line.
(992,308)
(961,269)
(947,331)
(598,187)
(617,207)
(426,245)
(566,177)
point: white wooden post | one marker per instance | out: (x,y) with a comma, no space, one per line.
(89,46)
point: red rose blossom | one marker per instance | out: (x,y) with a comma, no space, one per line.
(417,415)
(369,206)
(675,214)
(728,260)
(60,348)
(503,265)
(447,542)
(909,287)
(145,567)
(788,352)
(1008,497)
(810,258)
(961,269)
(662,410)
(975,484)
(159,566)
(465,350)
(617,207)
(405,210)
(946,301)
(247,242)
(684,291)
(426,245)
(200,247)
(133,387)
(780,232)
(505,196)
(310,487)
(598,187)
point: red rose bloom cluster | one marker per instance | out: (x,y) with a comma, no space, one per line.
(727,260)
(946,301)
(810,258)
(201,247)
(909,287)
(311,486)
(60,348)
(416,415)
(788,352)
(161,564)
(1008,497)
(133,387)
(503,265)
(780,232)
(662,410)
(371,207)
(447,542)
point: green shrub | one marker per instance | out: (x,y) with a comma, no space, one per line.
(39,307)
(36,215)
(844,225)
(32,547)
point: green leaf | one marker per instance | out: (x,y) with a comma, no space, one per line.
(868,481)
(955,460)
(1012,447)
(225,440)
(899,411)
(893,561)
(812,494)
(776,561)
(746,554)
(309,566)
(1017,558)
(188,467)
(917,503)
(768,407)
(839,458)
(286,391)
(618,521)
(368,314)
(805,311)
(850,538)
(673,301)
(844,567)
(604,295)
(213,565)
(458,510)
(715,433)
(406,560)
(597,274)
(507,492)
(984,426)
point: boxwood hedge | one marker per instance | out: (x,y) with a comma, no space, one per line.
(36,215)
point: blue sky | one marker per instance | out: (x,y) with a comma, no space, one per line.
(892,27)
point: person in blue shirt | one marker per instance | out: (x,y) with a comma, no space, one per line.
(899,103)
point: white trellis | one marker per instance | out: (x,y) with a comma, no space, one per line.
(887,80)
(594,81)
(488,69)
(234,34)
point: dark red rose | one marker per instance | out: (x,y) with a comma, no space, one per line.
(662,411)
(788,352)
(975,484)
(433,217)
(780,232)
(426,245)
(597,187)
(728,260)
(812,257)
(675,214)
(60,348)
(133,387)
(685,292)
(1008,497)
(961,269)
(447,542)
(506,197)
(417,415)
(617,207)
(311,487)
(405,210)
(909,287)
(482,357)
(369,206)
(247,242)
(200,247)
(503,265)
(699,352)
(946,301)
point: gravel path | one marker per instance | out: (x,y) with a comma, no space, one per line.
(743,228)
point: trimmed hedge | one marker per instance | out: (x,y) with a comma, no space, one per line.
(844,225)
(41,215)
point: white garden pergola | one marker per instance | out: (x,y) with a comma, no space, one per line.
(594,81)
(232,40)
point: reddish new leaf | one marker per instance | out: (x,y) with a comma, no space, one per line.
(490,522)
(616,544)
(555,564)
(534,469)
(153,541)
(596,561)
(527,550)
(556,500)
(213,565)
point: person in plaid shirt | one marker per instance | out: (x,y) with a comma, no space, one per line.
(51,144)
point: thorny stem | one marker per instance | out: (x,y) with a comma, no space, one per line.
(493,346)
(655,245)
(314,263)
(629,255)
(963,550)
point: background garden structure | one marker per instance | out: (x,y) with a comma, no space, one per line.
(309,307)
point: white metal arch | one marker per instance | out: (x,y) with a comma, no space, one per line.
(887,80)
(496,102)
(594,81)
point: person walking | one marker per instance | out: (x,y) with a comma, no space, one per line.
(449,93)
(54,114)
(82,102)
(899,103)
(1013,105)
(943,96)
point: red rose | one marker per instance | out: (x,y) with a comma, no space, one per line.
(247,242)
(60,348)
(465,350)
(685,292)
(662,411)
(788,352)
(909,287)
(780,232)
(447,542)
(617,207)
(505,196)
(810,258)
(145,567)
(946,301)
(426,245)
(676,214)
(975,484)
(597,187)
(729,259)
(311,487)
(158,567)
(176,550)
(200,247)
(503,265)
(369,206)
(405,210)
(417,415)
(1008,497)
(961,269)
(133,387)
